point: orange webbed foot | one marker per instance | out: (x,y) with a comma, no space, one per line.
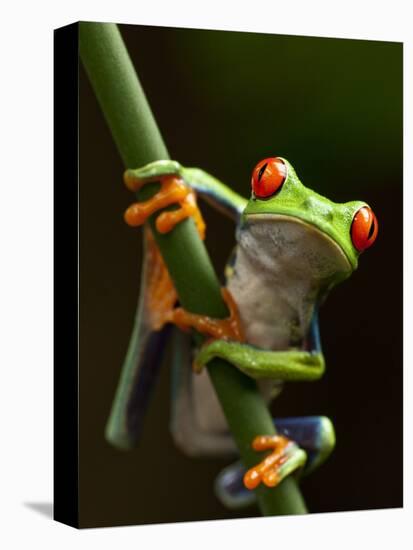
(267,471)
(173,191)
(222,329)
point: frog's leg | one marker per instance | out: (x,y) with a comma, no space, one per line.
(198,424)
(142,363)
(285,455)
(209,188)
(289,365)
(314,434)
(226,341)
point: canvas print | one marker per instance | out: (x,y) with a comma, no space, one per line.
(240,274)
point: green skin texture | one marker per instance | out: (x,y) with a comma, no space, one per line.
(296,201)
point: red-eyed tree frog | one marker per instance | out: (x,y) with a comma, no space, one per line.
(293,246)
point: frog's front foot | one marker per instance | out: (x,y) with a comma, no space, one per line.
(173,191)
(285,457)
(217,330)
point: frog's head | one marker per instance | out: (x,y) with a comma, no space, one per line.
(277,192)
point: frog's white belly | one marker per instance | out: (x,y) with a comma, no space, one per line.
(282,268)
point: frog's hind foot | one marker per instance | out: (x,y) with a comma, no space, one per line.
(285,457)
(233,486)
(313,436)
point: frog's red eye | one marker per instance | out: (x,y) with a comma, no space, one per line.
(268,177)
(364,228)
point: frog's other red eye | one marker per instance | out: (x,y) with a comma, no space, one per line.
(268,177)
(364,228)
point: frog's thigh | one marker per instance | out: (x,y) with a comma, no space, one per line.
(314,434)
(198,424)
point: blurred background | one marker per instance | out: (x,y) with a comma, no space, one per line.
(223,101)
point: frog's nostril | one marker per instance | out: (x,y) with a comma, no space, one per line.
(308,203)
(328,214)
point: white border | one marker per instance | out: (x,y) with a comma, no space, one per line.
(26,269)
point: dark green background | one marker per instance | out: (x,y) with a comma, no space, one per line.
(223,101)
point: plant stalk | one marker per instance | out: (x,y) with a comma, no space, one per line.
(139,141)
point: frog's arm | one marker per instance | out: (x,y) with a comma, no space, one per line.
(228,343)
(209,188)
(282,365)
(286,365)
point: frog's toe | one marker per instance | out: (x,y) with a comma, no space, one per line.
(208,351)
(285,457)
(151,172)
(233,492)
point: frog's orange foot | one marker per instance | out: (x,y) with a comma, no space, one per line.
(269,470)
(215,329)
(173,191)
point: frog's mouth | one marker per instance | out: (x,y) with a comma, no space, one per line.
(291,234)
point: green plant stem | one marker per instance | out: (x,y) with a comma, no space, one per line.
(139,141)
